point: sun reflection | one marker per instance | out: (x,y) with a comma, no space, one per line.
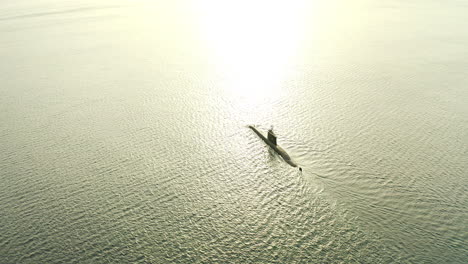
(253,43)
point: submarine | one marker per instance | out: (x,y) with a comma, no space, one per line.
(271,141)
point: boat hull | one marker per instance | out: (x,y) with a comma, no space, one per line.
(276,148)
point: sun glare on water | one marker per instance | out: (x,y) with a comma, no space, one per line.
(252,43)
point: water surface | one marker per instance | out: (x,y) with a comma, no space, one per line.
(124,132)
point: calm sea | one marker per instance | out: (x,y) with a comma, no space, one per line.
(124,138)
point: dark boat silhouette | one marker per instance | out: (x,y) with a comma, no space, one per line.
(272,142)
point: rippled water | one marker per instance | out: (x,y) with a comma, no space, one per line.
(124,134)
